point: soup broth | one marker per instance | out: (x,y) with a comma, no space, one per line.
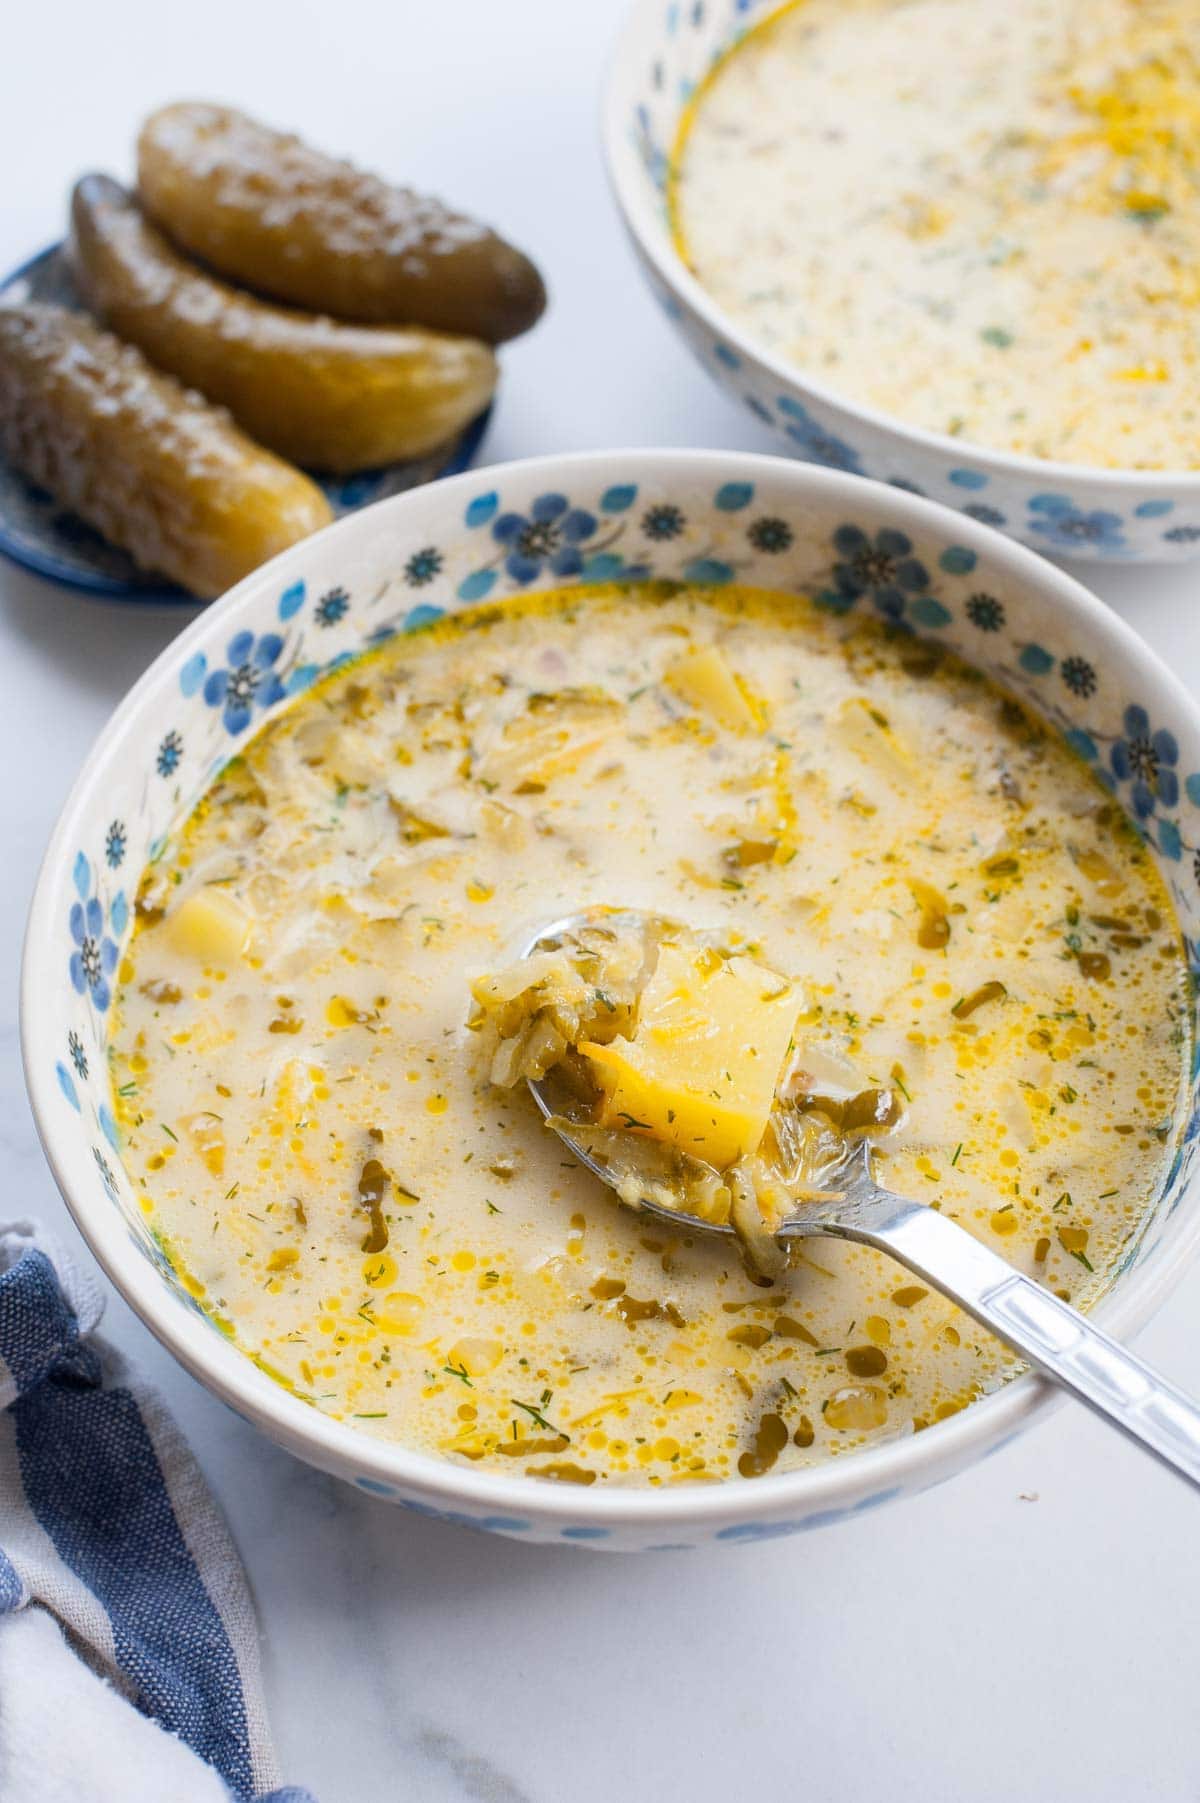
(977,215)
(967,919)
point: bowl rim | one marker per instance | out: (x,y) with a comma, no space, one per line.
(908,1462)
(624,174)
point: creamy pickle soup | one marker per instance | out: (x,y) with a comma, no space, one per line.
(964,913)
(978,215)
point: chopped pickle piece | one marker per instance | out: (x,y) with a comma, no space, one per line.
(210,925)
(265,209)
(373,1185)
(329,396)
(704,680)
(703,1065)
(770,1438)
(965,1006)
(748,852)
(152,466)
(933,928)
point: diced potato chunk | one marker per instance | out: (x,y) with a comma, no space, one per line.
(210,925)
(703,1066)
(704,680)
(868,733)
(474,1356)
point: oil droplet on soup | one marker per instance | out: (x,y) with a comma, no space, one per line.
(966,915)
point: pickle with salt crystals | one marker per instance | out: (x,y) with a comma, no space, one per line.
(329,396)
(263,208)
(155,468)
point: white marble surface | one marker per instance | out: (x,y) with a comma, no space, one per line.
(1030,1631)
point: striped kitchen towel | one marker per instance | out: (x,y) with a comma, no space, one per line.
(129,1667)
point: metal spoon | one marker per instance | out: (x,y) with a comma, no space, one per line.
(1057,1339)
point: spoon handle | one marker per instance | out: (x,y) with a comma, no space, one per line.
(1053,1336)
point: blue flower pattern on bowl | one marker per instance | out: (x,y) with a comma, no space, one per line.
(1145,760)
(881,566)
(107,1174)
(169,753)
(250,681)
(332,607)
(663,521)
(914,581)
(1068,527)
(986,514)
(564,542)
(817,443)
(423,566)
(547,538)
(770,534)
(93,957)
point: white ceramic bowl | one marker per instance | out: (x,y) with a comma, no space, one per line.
(695,516)
(663,52)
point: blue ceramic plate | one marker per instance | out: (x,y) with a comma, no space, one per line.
(36,532)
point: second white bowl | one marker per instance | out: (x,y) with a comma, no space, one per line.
(662,54)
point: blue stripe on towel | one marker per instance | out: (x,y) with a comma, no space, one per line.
(92,1479)
(36,1320)
(93,1482)
(12,1591)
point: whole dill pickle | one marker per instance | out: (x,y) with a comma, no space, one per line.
(265,209)
(329,396)
(152,466)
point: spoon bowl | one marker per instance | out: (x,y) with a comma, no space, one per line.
(1048,1332)
(548,938)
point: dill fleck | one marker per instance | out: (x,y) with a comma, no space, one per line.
(535,1411)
